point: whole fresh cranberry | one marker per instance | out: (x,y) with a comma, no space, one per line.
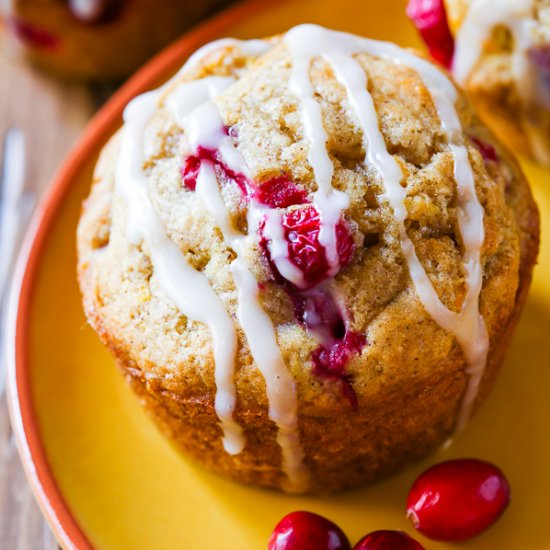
(430,19)
(307,531)
(388,540)
(458,499)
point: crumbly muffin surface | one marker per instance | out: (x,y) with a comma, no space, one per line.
(410,376)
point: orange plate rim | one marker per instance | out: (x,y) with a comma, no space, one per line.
(64,525)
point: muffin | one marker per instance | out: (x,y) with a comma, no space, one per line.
(308,257)
(499,51)
(99,39)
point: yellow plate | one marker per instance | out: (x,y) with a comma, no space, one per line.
(103,474)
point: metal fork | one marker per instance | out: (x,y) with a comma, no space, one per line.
(16,205)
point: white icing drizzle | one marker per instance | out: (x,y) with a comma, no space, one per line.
(204,127)
(190,95)
(517,16)
(85,9)
(251,48)
(329,201)
(338,48)
(280,388)
(187,288)
(278,249)
(190,290)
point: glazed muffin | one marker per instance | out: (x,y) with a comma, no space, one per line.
(499,51)
(308,257)
(99,39)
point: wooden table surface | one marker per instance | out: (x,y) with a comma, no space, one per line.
(51,115)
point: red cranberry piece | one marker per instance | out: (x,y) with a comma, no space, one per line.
(539,57)
(388,540)
(301,230)
(430,18)
(458,499)
(307,531)
(488,152)
(317,310)
(190,172)
(191,165)
(280,192)
(33,36)
(330,361)
(277,192)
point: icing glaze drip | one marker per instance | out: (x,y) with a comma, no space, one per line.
(467,326)
(190,95)
(329,202)
(216,151)
(188,289)
(281,392)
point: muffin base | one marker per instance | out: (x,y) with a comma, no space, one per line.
(384,439)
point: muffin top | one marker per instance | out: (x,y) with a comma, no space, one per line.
(303,224)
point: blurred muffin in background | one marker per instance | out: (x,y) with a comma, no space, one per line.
(499,51)
(99,39)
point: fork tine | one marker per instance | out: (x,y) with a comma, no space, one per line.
(12,181)
(14,214)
